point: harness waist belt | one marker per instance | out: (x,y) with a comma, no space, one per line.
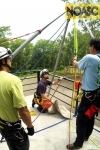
(89,91)
(4,124)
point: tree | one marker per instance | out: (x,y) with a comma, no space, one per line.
(23,56)
(4,33)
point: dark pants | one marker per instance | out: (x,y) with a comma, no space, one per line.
(16,140)
(84,126)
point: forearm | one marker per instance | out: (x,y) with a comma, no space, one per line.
(25,116)
(56,82)
(44,96)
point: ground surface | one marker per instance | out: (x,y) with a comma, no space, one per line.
(64,90)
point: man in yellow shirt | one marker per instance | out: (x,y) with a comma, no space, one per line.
(13,105)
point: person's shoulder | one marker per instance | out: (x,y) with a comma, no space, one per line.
(89,56)
(13,77)
(40,82)
(49,81)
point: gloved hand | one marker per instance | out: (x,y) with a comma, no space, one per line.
(30,131)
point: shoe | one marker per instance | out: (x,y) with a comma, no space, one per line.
(72,146)
(39,108)
(86,139)
(33,103)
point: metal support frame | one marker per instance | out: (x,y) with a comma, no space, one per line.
(59,53)
(33,36)
(91,34)
(24,44)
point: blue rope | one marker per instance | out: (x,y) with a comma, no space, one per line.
(59,123)
(43,55)
(52,125)
(39,49)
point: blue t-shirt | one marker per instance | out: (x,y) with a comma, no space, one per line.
(90,64)
(41,88)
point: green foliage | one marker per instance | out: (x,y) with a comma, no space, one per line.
(23,56)
(4,33)
(43,54)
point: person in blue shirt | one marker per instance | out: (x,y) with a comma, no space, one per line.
(90,64)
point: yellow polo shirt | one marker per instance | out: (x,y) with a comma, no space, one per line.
(11,96)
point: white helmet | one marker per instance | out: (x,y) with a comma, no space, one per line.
(44,71)
(4,52)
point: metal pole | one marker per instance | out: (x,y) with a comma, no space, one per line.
(91,34)
(59,53)
(32,37)
(24,44)
(38,75)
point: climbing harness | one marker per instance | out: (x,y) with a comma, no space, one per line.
(37,99)
(11,130)
(91,96)
(43,102)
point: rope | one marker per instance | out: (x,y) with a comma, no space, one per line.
(53,20)
(17,37)
(43,55)
(35,31)
(76,49)
(39,49)
(89,138)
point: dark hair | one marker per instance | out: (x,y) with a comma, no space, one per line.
(96,43)
(1,62)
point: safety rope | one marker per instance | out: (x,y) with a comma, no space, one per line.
(17,37)
(39,50)
(76,50)
(42,55)
(37,30)
(93,141)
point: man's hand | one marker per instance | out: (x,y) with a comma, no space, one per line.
(30,131)
(75,62)
(60,79)
(75,58)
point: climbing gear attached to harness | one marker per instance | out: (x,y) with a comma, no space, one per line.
(90,95)
(37,99)
(94,98)
(91,111)
(10,126)
(13,131)
(45,104)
